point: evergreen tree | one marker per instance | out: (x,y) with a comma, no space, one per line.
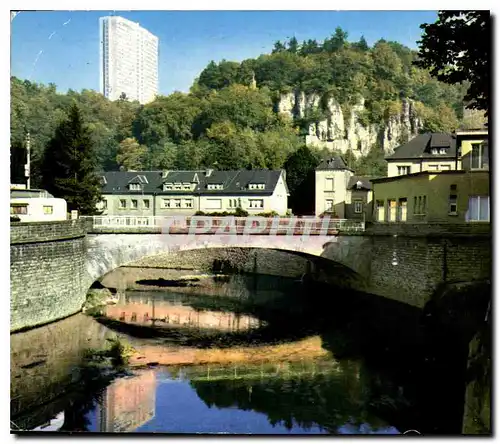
(300,177)
(69,163)
(278,47)
(293,45)
(362,45)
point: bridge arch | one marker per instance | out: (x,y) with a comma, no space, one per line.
(279,255)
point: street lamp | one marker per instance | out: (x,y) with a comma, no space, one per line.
(28,160)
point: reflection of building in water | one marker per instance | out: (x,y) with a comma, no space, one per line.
(128,403)
(151,312)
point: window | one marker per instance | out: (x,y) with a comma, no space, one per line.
(133,318)
(442,151)
(48,209)
(177,203)
(233,203)
(166,203)
(188,203)
(168,186)
(256,203)
(434,151)
(186,186)
(134,204)
(380,211)
(329,184)
(391,203)
(420,205)
(329,205)
(177,186)
(403,209)
(479,209)
(213,204)
(402,170)
(19,209)
(123,204)
(145,204)
(453,205)
(479,156)
(444,167)
(135,187)
(358,206)
(122,316)
(217,186)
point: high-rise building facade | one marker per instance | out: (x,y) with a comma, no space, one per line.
(128,60)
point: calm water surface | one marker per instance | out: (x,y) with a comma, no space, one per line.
(373,380)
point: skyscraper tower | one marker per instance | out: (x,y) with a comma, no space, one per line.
(128,60)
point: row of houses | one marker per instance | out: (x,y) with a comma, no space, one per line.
(435,177)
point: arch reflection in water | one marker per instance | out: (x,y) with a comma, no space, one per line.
(169,309)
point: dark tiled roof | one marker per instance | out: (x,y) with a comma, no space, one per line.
(117,182)
(365,183)
(234,182)
(421,146)
(333,163)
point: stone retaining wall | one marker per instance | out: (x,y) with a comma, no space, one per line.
(46,272)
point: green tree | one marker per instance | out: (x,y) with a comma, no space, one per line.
(131,155)
(337,41)
(278,47)
(300,177)
(69,165)
(293,45)
(457,48)
(361,45)
(373,164)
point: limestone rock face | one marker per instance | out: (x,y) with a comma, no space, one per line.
(346,133)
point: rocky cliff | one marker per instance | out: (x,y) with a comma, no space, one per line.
(347,132)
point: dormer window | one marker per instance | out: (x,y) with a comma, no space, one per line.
(359,184)
(256,186)
(215,186)
(177,186)
(442,151)
(186,186)
(434,151)
(135,187)
(168,186)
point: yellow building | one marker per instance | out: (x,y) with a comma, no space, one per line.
(426,152)
(339,193)
(446,196)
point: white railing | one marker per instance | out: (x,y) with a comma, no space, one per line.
(182,223)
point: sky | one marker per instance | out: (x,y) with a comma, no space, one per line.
(62,47)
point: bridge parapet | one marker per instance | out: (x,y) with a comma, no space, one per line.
(295,226)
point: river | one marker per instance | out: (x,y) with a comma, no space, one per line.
(241,355)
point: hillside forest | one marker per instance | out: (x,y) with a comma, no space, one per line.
(228,120)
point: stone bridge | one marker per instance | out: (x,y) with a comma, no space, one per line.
(54,264)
